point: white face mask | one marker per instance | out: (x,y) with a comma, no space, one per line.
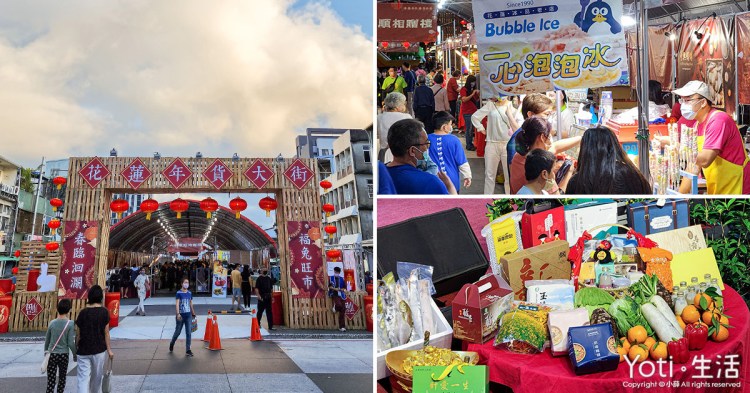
(688,112)
(185,285)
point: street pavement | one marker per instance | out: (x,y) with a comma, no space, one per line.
(143,363)
(477,172)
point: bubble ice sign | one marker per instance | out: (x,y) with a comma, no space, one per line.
(529,46)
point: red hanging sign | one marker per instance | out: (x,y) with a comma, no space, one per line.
(259,173)
(94,172)
(78,259)
(177,173)
(217,174)
(350,308)
(136,173)
(412,22)
(299,174)
(32,309)
(305,260)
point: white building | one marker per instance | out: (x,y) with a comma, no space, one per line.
(9,184)
(134,203)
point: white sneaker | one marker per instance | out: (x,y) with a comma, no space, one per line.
(333,309)
(342,329)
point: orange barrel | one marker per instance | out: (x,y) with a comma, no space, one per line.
(112,299)
(369,289)
(31,284)
(278,309)
(6,286)
(368,312)
(6,302)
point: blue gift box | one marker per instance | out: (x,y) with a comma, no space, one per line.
(593,349)
(651,217)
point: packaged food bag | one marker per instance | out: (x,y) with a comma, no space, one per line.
(523,328)
(560,322)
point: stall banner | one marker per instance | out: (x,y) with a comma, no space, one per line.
(78,258)
(351,273)
(186,245)
(407,22)
(527,49)
(660,48)
(742,23)
(431,379)
(306,261)
(219,281)
(710,60)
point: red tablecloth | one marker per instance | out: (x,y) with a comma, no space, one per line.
(543,373)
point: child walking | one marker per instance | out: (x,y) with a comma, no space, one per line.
(60,339)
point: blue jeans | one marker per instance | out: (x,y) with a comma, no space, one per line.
(469,132)
(187,321)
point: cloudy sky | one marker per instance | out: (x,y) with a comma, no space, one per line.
(81,77)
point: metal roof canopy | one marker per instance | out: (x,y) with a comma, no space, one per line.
(135,233)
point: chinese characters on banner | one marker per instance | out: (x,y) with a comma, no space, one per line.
(259,173)
(306,260)
(94,172)
(136,173)
(407,22)
(219,280)
(350,308)
(552,44)
(78,258)
(299,174)
(217,174)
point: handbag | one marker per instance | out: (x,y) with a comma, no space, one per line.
(48,353)
(194,325)
(107,379)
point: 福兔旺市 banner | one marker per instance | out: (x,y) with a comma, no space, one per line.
(528,46)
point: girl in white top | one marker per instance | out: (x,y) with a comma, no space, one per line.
(501,124)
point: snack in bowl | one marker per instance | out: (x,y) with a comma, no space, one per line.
(402,362)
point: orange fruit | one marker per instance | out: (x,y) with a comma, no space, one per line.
(649,343)
(697,301)
(681,322)
(625,344)
(690,315)
(658,351)
(721,335)
(708,316)
(638,352)
(637,335)
(623,352)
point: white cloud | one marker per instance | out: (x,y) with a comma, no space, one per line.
(176,77)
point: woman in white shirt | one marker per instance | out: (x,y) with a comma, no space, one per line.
(501,123)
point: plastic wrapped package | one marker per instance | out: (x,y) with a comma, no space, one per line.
(523,328)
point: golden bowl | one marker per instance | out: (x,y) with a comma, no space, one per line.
(394,361)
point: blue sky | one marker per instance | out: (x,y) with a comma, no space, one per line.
(353,12)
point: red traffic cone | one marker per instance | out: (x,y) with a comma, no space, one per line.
(209,327)
(215,343)
(255,331)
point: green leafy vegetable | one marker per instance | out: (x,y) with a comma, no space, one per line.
(627,313)
(590,296)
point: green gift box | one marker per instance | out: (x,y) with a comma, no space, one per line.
(474,379)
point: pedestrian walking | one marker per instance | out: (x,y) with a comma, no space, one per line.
(264,290)
(141,285)
(185,315)
(124,281)
(336,288)
(93,342)
(236,286)
(247,290)
(62,331)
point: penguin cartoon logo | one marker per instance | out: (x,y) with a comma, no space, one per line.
(597,12)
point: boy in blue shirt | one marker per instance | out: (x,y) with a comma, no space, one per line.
(446,150)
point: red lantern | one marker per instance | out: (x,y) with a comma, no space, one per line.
(209,205)
(328,208)
(53,225)
(385,44)
(465,53)
(406,44)
(119,206)
(463,22)
(333,254)
(330,229)
(17,253)
(325,185)
(59,181)
(56,203)
(237,205)
(179,205)
(268,204)
(52,246)
(149,206)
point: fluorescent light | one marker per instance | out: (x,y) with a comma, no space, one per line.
(627,21)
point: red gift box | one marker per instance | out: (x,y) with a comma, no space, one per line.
(476,309)
(542,223)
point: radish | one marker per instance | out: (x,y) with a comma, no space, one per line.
(659,323)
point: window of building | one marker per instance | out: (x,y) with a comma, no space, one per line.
(366,152)
(369,188)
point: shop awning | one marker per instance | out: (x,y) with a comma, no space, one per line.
(5,259)
(345,212)
(351,239)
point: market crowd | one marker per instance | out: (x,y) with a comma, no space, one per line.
(424,115)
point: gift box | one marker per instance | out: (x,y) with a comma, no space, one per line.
(593,349)
(658,216)
(585,216)
(681,240)
(544,262)
(542,223)
(559,324)
(427,379)
(477,307)
(503,236)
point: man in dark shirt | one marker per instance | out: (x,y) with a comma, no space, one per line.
(264,290)
(411,83)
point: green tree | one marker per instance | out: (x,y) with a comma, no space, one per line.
(26,183)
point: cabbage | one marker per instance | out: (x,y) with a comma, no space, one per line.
(627,314)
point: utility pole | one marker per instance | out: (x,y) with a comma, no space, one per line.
(36,198)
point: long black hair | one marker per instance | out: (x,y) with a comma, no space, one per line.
(530,130)
(604,168)
(471,84)
(655,93)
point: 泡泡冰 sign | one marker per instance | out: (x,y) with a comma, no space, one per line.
(531,46)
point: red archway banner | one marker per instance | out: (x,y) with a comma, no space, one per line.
(78,258)
(409,22)
(306,260)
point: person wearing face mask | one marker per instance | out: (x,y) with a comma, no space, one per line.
(264,291)
(721,152)
(533,105)
(141,284)
(185,315)
(469,105)
(409,144)
(394,106)
(539,178)
(336,291)
(535,134)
